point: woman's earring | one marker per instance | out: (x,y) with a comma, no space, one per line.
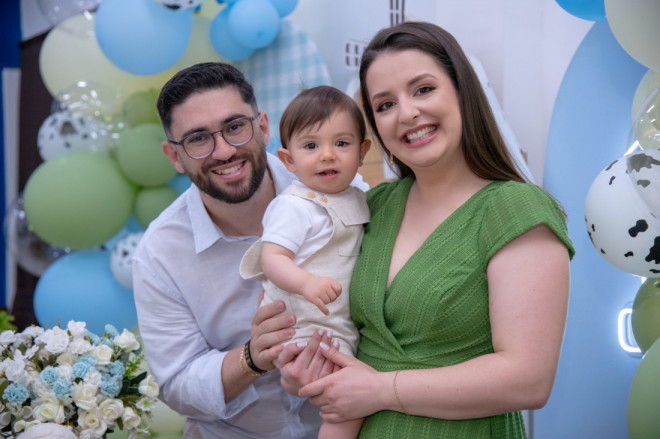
(391,157)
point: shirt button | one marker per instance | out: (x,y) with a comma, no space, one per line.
(311,194)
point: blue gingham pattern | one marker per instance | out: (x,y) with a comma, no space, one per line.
(281,70)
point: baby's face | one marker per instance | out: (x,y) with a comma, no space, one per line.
(326,156)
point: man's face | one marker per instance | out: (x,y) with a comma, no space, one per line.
(231,174)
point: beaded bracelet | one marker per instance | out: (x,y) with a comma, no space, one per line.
(248,359)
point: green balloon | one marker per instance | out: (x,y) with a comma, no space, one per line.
(140,107)
(78,200)
(644,398)
(140,155)
(150,202)
(645,317)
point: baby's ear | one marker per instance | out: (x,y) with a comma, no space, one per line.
(285,157)
(364,149)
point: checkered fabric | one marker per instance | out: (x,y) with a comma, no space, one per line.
(281,70)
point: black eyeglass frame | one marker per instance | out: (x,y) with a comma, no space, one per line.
(213,134)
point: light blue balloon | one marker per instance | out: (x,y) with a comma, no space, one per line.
(80,286)
(284,7)
(180,182)
(141,36)
(223,41)
(592,10)
(254,23)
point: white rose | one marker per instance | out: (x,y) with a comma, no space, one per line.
(15,369)
(7,338)
(92,420)
(102,354)
(111,409)
(49,409)
(5,418)
(22,425)
(58,341)
(149,387)
(130,419)
(48,431)
(67,358)
(77,329)
(93,377)
(84,395)
(39,388)
(79,346)
(126,341)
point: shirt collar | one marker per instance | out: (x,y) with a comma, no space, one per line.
(205,232)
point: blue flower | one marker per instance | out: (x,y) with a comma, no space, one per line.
(63,389)
(111,331)
(106,342)
(82,366)
(49,375)
(117,369)
(16,394)
(95,339)
(110,385)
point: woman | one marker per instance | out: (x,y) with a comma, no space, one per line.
(461,290)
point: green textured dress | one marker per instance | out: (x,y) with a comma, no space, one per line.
(435,312)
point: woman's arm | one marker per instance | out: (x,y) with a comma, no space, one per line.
(528,297)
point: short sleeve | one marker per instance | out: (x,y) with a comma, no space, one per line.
(514,208)
(288,222)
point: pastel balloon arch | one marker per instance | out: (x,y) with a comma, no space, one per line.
(622,205)
(103,177)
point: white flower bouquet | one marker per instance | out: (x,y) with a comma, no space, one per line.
(71,377)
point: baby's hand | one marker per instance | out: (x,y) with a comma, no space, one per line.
(320,291)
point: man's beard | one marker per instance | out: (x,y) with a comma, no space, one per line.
(241,192)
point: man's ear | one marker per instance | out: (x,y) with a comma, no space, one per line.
(285,157)
(264,127)
(364,149)
(171,153)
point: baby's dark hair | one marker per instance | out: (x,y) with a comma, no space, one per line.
(315,105)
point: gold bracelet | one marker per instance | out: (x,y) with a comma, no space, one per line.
(244,369)
(396,394)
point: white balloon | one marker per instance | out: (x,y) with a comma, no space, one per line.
(121,259)
(644,171)
(621,226)
(68,131)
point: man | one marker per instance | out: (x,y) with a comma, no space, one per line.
(194,309)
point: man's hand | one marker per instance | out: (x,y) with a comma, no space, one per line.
(320,291)
(270,328)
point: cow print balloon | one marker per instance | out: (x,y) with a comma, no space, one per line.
(121,259)
(644,171)
(620,224)
(180,4)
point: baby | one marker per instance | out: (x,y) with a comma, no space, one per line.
(313,229)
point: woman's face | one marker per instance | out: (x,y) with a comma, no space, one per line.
(416,110)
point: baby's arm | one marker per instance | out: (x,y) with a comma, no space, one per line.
(279,268)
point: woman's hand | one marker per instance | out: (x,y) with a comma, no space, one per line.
(270,328)
(301,364)
(355,391)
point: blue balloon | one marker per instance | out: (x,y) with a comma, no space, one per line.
(80,286)
(180,182)
(223,41)
(254,23)
(592,10)
(141,36)
(284,7)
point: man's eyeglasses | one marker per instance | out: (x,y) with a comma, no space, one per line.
(201,144)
